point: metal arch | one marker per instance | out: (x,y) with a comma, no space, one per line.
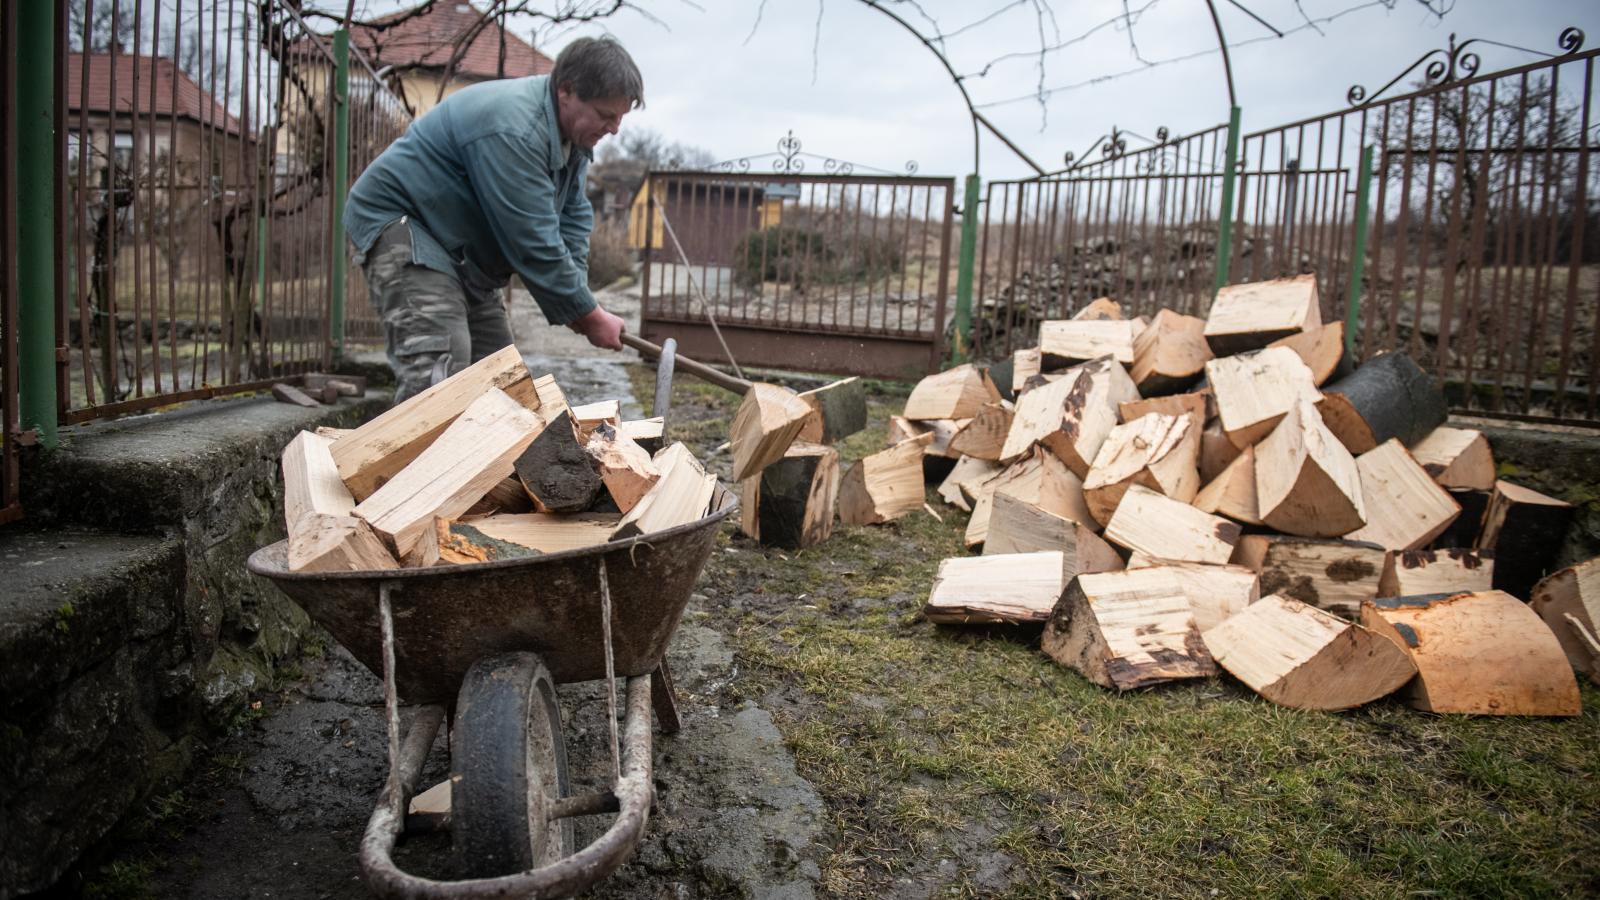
(790,159)
(1113,146)
(1454,62)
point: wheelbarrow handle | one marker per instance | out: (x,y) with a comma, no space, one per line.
(699,370)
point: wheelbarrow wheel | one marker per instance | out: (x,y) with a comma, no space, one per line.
(508,765)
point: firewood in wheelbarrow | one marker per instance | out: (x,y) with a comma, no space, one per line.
(1479,653)
(681,495)
(464,542)
(476,451)
(886,485)
(1321,349)
(838,410)
(1296,655)
(1066,342)
(1017,525)
(507,496)
(288,393)
(1388,396)
(1251,316)
(626,469)
(1406,510)
(647,433)
(1526,530)
(1124,630)
(1170,354)
(768,421)
(556,471)
(1569,602)
(323,535)
(955,393)
(1156,451)
(1072,416)
(549,532)
(1457,458)
(1307,484)
(793,501)
(589,415)
(373,453)
(1409,573)
(1254,390)
(1013,588)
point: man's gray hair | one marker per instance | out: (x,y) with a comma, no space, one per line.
(598,68)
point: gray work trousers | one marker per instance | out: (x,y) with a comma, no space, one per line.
(427,314)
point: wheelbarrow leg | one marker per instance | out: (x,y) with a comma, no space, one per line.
(664,699)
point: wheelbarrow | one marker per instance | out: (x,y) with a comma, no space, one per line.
(487,643)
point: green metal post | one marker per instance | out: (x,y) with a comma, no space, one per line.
(36,210)
(968,260)
(1358,259)
(341,183)
(1225,217)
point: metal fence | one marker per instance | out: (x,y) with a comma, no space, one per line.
(1478,254)
(826,273)
(10,505)
(199,186)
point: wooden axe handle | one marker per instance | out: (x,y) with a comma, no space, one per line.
(699,370)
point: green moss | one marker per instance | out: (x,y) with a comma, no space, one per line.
(64,614)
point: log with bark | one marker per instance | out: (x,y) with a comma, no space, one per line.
(1334,576)
(1405,509)
(838,410)
(1163,528)
(1480,653)
(1013,588)
(1387,397)
(1569,602)
(555,470)
(793,501)
(1525,529)
(1297,655)
(1251,316)
(1307,484)
(1128,629)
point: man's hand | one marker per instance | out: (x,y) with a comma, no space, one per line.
(601,328)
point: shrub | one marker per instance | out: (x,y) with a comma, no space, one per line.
(785,254)
(610,257)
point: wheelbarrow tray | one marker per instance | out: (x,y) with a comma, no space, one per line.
(448,617)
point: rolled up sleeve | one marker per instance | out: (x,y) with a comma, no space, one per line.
(517,195)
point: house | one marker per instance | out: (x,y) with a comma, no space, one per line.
(418,48)
(183,124)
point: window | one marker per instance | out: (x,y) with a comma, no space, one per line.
(122,149)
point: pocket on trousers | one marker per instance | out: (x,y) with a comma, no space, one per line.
(418,344)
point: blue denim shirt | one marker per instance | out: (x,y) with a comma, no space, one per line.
(488,193)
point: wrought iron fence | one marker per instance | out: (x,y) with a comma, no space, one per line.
(199,185)
(10,436)
(840,273)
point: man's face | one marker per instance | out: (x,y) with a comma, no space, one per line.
(585,122)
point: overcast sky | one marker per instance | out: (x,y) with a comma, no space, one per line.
(854,85)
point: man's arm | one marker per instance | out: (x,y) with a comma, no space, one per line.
(577,222)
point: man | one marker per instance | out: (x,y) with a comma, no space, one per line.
(488,184)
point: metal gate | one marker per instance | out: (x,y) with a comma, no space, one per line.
(830,273)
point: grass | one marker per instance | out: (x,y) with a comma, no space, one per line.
(939,750)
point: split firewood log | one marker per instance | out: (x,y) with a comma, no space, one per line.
(1334,576)
(961,487)
(1233,493)
(548,398)
(884,486)
(793,501)
(1481,653)
(1100,308)
(1387,397)
(1025,364)
(838,410)
(1066,342)
(1250,316)
(1198,405)
(1307,484)
(1464,531)
(626,469)
(1041,479)
(1013,588)
(681,495)
(1216,451)
(462,542)
(1156,451)
(943,431)
(1411,573)
(288,393)
(323,535)
(507,496)
(1017,525)
(588,416)
(955,393)
(1525,529)
(555,470)
(1071,417)
(1457,458)
(476,451)
(1161,527)
(647,433)
(1124,630)
(546,532)
(767,422)
(1321,349)
(373,453)
(1406,510)
(1255,390)
(1569,602)
(1297,655)
(984,436)
(1170,354)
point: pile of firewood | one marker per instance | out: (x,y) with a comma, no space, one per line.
(1174,496)
(488,464)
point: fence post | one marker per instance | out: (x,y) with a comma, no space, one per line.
(1225,217)
(36,210)
(341,184)
(1358,258)
(968,259)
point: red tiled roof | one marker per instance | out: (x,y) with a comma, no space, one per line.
(428,39)
(191,102)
